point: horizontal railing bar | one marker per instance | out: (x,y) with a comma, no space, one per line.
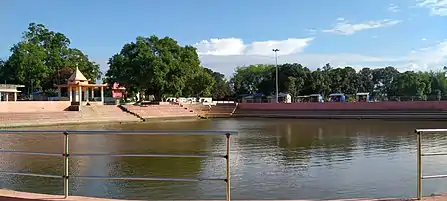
(430,130)
(101,132)
(31,153)
(435,154)
(32,174)
(434,177)
(148,178)
(32,131)
(153,155)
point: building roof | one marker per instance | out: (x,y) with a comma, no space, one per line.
(9,91)
(10,86)
(81,84)
(77,76)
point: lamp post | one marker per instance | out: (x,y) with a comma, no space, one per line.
(276,65)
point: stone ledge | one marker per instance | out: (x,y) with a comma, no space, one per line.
(10,195)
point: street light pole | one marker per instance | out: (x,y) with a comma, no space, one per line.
(276,65)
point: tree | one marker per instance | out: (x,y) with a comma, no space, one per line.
(383,80)
(27,64)
(41,54)
(157,66)
(292,86)
(221,89)
(292,78)
(254,78)
(2,70)
(383,83)
(365,79)
(201,84)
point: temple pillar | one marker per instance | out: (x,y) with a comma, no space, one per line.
(0,96)
(80,94)
(7,97)
(93,94)
(15,96)
(86,95)
(84,91)
(102,94)
(59,92)
(76,94)
(70,94)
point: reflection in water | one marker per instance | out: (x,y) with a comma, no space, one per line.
(95,144)
(270,159)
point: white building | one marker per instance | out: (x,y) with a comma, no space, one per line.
(9,89)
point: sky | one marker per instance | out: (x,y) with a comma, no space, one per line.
(407,34)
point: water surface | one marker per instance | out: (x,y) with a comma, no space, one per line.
(271,159)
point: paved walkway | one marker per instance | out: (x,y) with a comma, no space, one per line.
(9,195)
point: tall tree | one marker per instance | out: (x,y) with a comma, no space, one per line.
(41,54)
(200,84)
(383,80)
(253,78)
(158,66)
(365,79)
(2,70)
(221,89)
(27,64)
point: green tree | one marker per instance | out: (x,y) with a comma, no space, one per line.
(201,84)
(292,86)
(221,89)
(253,79)
(320,82)
(27,64)
(365,79)
(383,80)
(156,66)
(41,54)
(410,84)
(383,83)
(2,70)
(438,83)
(292,77)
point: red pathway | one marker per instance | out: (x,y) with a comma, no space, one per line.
(9,195)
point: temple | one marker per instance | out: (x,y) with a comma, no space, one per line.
(117,92)
(80,89)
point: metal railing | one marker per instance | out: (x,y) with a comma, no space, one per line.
(66,155)
(420,177)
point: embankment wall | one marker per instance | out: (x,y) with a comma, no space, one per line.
(416,110)
(36,113)
(402,106)
(33,106)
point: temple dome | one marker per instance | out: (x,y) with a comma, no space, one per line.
(77,76)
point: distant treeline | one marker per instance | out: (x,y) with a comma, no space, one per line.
(383,83)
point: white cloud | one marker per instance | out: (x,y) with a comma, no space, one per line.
(393,8)
(345,28)
(225,46)
(235,46)
(260,52)
(311,32)
(224,55)
(436,7)
(429,58)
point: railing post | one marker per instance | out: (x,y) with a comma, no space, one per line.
(419,165)
(66,155)
(228,180)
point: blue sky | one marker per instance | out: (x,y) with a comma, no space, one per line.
(408,34)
